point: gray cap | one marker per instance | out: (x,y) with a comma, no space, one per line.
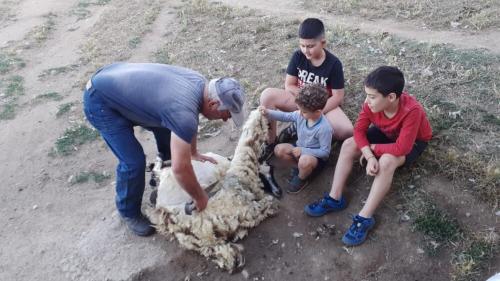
(231,96)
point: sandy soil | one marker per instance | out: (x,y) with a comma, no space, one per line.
(54,230)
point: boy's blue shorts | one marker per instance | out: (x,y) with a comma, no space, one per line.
(375,135)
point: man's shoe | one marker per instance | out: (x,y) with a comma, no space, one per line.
(289,134)
(325,205)
(296,185)
(358,231)
(266,152)
(139,225)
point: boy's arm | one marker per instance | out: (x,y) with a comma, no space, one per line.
(325,145)
(336,83)
(291,85)
(282,116)
(334,101)
(360,129)
(407,136)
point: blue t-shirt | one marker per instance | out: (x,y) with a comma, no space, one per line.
(153,95)
(315,140)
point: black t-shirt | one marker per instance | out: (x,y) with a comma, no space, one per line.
(329,73)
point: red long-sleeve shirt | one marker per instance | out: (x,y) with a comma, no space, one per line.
(408,125)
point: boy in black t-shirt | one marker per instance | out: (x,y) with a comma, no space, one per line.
(311,64)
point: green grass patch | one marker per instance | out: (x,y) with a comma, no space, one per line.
(73,138)
(54,71)
(161,56)
(10,62)
(15,86)
(97,177)
(437,225)
(64,108)
(13,89)
(81,10)
(8,111)
(55,96)
(134,42)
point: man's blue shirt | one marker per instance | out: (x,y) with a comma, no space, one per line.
(154,95)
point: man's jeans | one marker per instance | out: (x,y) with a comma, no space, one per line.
(118,132)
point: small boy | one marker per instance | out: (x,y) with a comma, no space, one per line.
(311,64)
(314,135)
(398,134)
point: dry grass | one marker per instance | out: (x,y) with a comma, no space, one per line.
(464,14)
(110,43)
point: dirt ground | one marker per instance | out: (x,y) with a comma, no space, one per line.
(56,228)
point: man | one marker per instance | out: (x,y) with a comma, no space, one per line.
(166,100)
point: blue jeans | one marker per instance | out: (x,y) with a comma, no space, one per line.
(118,132)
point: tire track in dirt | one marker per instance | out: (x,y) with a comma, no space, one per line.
(489,40)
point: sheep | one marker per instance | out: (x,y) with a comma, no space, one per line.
(238,205)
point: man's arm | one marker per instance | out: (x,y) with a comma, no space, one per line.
(291,85)
(334,101)
(184,173)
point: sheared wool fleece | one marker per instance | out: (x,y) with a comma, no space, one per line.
(238,205)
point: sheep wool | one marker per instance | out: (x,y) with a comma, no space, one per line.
(238,205)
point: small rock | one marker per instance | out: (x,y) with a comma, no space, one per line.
(297,234)
(70,179)
(411,186)
(187,278)
(245,274)
(35,207)
(405,218)
(467,214)
(290,224)
(427,72)
(283,245)
(420,251)
(455,24)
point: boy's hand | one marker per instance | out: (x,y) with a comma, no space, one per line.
(296,152)
(372,166)
(263,110)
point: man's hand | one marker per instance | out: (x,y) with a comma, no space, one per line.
(201,202)
(203,158)
(372,166)
(296,152)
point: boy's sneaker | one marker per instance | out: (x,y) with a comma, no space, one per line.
(289,134)
(139,225)
(267,150)
(325,205)
(296,184)
(358,231)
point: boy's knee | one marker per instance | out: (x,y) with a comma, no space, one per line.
(389,162)
(306,163)
(280,150)
(266,97)
(349,146)
(344,132)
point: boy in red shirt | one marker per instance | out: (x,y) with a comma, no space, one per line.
(398,135)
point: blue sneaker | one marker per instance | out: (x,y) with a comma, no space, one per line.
(325,205)
(358,231)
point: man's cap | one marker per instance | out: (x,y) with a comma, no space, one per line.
(311,28)
(231,95)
